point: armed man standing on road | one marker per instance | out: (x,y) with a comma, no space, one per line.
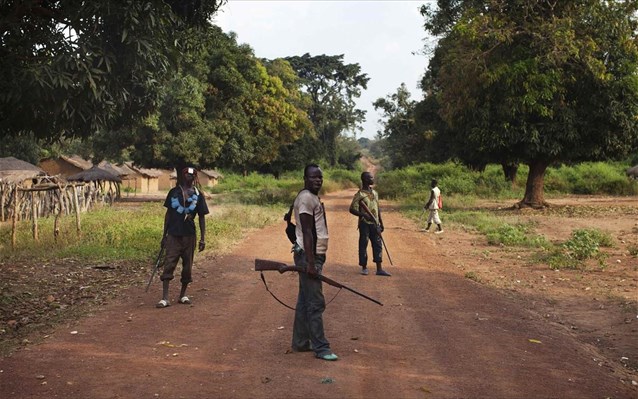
(310,253)
(370,225)
(182,203)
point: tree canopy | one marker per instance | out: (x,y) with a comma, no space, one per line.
(223,108)
(536,81)
(71,68)
(332,87)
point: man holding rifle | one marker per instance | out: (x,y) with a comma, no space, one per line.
(365,205)
(310,253)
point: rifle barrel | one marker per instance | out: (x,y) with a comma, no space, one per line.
(263,265)
(155,267)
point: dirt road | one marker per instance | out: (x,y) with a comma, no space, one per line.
(438,335)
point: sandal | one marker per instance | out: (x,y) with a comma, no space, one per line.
(185,300)
(163,304)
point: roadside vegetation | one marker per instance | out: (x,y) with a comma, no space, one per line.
(267,190)
(462,189)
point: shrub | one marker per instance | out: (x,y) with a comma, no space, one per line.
(583,244)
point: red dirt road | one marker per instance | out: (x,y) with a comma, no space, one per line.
(439,335)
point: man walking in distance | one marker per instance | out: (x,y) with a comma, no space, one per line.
(433,204)
(368,228)
(310,253)
(182,203)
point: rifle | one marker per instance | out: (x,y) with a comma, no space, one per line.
(377,224)
(262,265)
(158,262)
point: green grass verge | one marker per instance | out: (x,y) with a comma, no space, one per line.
(125,234)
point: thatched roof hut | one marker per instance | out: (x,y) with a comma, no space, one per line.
(95,174)
(121,171)
(14,170)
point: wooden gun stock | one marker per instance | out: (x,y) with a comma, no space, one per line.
(265,265)
(262,265)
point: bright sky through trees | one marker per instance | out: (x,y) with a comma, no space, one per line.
(384,37)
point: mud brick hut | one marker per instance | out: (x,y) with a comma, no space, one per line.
(65,166)
(142,180)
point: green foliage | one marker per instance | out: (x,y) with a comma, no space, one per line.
(24,147)
(591,178)
(583,244)
(264,189)
(455,179)
(225,108)
(135,237)
(497,230)
(331,87)
(73,68)
(534,82)
(405,139)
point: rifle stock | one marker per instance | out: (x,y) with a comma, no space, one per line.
(265,265)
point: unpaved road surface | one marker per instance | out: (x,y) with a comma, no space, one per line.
(438,335)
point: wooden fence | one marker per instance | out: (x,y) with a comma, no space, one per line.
(18,203)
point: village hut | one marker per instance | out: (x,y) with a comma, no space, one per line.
(633,172)
(116,170)
(142,180)
(206,177)
(65,166)
(103,186)
(209,177)
(94,174)
(17,171)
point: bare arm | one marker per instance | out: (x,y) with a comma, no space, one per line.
(307,223)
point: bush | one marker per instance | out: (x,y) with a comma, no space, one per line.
(584,244)
(454,179)
(591,178)
(265,189)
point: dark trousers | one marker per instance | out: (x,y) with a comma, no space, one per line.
(179,247)
(369,232)
(307,331)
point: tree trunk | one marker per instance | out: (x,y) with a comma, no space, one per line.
(509,170)
(534,189)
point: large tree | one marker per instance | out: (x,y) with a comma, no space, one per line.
(537,81)
(408,133)
(332,87)
(224,108)
(71,68)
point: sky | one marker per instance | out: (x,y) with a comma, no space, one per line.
(386,38)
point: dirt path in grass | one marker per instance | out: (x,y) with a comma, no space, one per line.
(503,333)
